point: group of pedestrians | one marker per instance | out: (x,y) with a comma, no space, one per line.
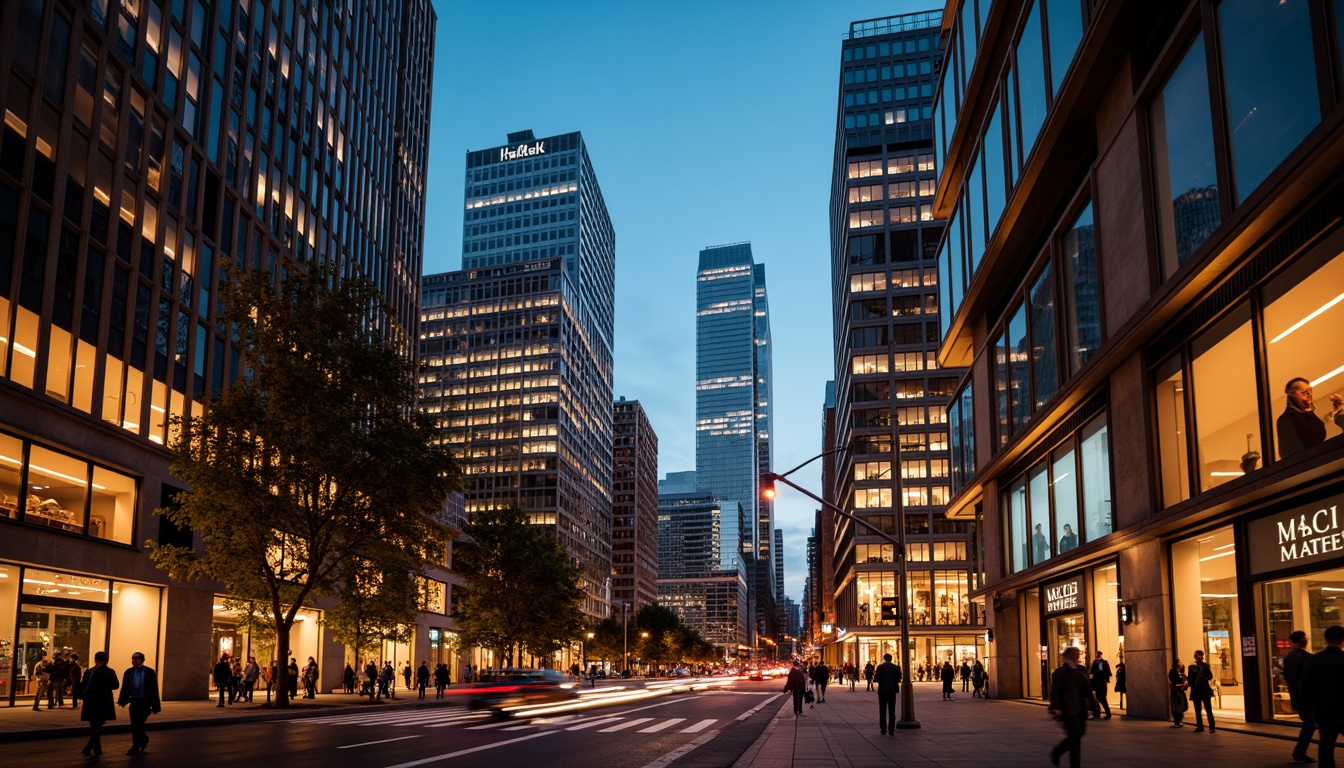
(139,686)
(379,682)
(236,681)
(1316,692)
(57,677)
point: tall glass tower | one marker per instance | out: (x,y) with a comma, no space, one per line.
(732,411)
(518,345)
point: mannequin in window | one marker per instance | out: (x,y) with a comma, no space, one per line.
(1299,426)
(1068,540)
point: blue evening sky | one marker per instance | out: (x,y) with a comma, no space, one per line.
(708,122)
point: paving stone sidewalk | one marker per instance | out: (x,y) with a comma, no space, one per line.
(975,733)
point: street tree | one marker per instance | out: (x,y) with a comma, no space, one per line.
(315,459)
(522,589)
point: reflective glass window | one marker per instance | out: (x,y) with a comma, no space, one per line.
(1226,404)
(1082,302)
(1044,360)
(1173,448)
(1064,491)
(1019,351)
(1094,455)
(1065,18)
(57,486)
(1019,544)
(995,190)
(1042,546)
(1031,80)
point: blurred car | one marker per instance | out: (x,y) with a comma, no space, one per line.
(756,674)
(500,689)
(680,672)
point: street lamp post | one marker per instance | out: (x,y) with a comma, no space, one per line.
(593,677)
(625,634)
(768,479)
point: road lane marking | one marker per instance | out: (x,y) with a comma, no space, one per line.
(626,724)
(457,720)
(487,726)
(371,743)
(663,725)
(591,723)
(700,726)
(757,708)
(684,749)
(482,748)
(520,727)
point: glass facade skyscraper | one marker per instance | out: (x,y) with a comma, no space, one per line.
(517,345)
(709,595)
(146,146)
(732,411)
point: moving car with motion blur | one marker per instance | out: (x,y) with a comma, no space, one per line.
(502,689)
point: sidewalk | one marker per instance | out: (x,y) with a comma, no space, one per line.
(971,732)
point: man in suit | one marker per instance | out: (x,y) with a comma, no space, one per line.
(1101,677)
(1295,673)
(1325,691)
(139,690)
(821,675)
(1200,678)
(888,678)
(796,684)
(1069,696)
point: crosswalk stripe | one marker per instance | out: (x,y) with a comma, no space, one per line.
(627,724)
(663,725)
(500,724)
(523,727)
(457,720)
(700,726)
(591,723)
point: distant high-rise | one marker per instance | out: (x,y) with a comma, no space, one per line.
(634,523)
(708,595)
(733,411)
(517,345)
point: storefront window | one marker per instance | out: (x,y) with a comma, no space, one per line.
(1304,307)
(1173,450)
(9,603)
(1309,603)
(872,587)
(57,486)
(1064,489)
(1226,403)
(1107,634)
(11,463)
(1095,452)
(1204,597)
(112,506)
(1041,544)
(1019,542)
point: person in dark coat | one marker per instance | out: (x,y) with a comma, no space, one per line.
(1200,677)
(139,691)
(422,677)
(821,675)
(1295,673)
(977,677)
(796,684)
(947,674)
(441,680)
(1298,426)
(1101,678)
(98,685)
(1177,684)
(888,678)
(868,674)
(222,674)
(1120,682)
(76,680)
(1325,692)
(1070,691)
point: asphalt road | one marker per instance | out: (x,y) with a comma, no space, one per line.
(707,728)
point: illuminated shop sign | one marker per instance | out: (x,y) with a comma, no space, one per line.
(522,150)
(1299,536)
(888,609)
(1064,596)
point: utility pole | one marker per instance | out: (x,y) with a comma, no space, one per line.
(625,634)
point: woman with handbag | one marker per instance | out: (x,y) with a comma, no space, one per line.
(797,685)
(1179,703)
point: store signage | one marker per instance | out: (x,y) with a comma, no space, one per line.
(1064,596)
(827,627)
(888,609)
(522,150)
(1248,645)
(1298,536)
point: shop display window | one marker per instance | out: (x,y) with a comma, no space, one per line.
(1309,603)
(112,506)
(871,588)
(1064,491)
(1227,417)
(1095,463)
(11,464)
(57,486)
(1173,451)
(9,603)
(1204,599)
(65,493)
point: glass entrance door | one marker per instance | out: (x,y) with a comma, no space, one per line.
(1068,631)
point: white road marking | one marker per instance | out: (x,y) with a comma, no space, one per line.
(700,726)
(520,727)
(487,726)
(663,725)
(591,723)
(686,748)
(371,743)
(457,720)
(758,707)
(459,753)
(626,724)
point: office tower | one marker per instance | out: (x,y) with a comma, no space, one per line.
(1142,367)
(517,345)
(634,523)
(732,411)
(891,397)
(777,551)
(710,596)
(146,146)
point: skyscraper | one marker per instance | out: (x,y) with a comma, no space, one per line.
(517,345)
(146,146)
(733,409)
(891,399)
(634,524)
(708,595)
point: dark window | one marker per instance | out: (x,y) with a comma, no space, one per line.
(34,260)
(1082,301)
(1065,19)
(92,300)
(905,245)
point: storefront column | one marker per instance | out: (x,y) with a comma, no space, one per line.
(1005,652)
(1147,656)
(186,663)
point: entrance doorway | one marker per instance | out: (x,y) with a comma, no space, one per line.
(1067,631)
(50,629)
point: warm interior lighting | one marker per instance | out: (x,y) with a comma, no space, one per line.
(1327,305)
(1326,377)
(1217,594)
(1226,474)
(1215,557)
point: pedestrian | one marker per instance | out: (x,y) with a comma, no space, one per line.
(821,675)
(1295,673)
(1200,678)
(868,675)
(965,675)
(441,680)
(1178,684)
(235,680)
(251,673)
(57,679)
(348,678)
(293,672)
(977,678)
(1101,678)
(76,680)
(222,674)
(889,679)
(99,683)
(1069,692)
(140,691)
(371,674)
(1325,692)
(797,685)
(310,675)
(1120,681)
(947,674)
(422,677)
(466,674)
(385,681)
(42,674)
(270,680)
(851,672)
(406,673)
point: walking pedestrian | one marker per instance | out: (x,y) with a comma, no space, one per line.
(222,674)
(139,691)
(1325,692)
(99,683)
(371,674)
(406,673)
(385,681)
(310,676)
(889,679)
(1101,678)
(1069,693)
(977,678)
(422,677)
(852,673)
(796,684)
(948,675)
(348,678)
(441,680)
(76,680)
(1120,682)
(251,673)
(868,674)
(965,675)
(57,679)
(293,671)
(1295,673)
(1177,682)
(466,674)
(1200,678)
(821,675)
(236,681)
(42,674)
(270,680)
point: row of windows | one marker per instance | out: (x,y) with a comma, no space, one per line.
(862,169)
(915,552)
(889,117)
(904,415)
(44,487)
(897,47)
(894,361)
(910,495)
(896,333)
(897,71)
(899,278)
(897,214)
(910,469)
(883,95)
(896,190)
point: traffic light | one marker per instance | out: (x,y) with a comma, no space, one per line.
(768,488)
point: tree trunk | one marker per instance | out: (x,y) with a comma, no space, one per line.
(281,700)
